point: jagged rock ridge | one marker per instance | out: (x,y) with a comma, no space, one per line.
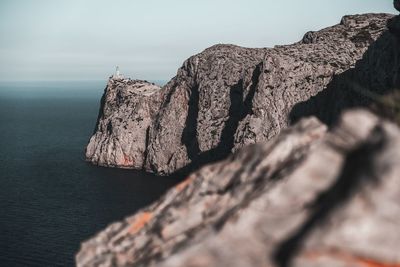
(227,96)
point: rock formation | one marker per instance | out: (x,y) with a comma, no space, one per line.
(317,191)
(227,97)
(305,198)
(121,134)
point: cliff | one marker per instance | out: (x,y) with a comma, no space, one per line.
(228,96)
(316,191)
(127,109)
(305,198)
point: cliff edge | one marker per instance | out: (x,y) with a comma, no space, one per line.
(127,109)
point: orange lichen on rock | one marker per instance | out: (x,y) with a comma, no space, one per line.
(127,161)
(372,263)
(140,221)
(354,260)
(182,185)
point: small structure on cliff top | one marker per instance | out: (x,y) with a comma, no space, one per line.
(117,74)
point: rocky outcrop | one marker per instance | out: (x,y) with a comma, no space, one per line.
(127,109)
(305,198)
(227,96)
(315,190)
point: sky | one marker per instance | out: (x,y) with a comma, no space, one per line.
(149,39)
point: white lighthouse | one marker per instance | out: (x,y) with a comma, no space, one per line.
(117,74)
(117,71)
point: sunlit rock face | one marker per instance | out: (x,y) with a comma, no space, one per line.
(307,197)
(127,109)
(228,97)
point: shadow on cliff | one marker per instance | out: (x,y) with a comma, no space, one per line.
(240,107)
(375,75)
(189,139)
(100,114)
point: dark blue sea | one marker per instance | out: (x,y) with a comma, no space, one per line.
(50,198)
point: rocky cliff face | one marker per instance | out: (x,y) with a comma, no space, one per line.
(305,198)
(121,134)
(227,97)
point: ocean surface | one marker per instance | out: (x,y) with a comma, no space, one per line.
(50,198)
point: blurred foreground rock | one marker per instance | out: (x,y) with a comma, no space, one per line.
(306,198)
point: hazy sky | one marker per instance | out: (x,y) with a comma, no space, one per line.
(86,39)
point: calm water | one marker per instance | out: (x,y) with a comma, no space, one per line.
(50,199)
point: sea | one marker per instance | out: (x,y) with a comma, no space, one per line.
(50,198)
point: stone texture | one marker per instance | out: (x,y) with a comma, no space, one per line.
(228,96)
(127,109)
(305,198)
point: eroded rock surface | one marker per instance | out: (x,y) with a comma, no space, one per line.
(127,109)
(228,96)
(307,197)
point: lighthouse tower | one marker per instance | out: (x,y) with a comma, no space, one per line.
(117,71)
(117,74)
